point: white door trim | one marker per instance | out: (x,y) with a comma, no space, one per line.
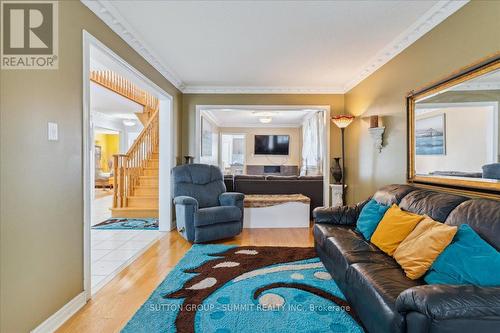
(326,135)
(167,160)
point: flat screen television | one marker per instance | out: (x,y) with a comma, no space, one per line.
(271,144)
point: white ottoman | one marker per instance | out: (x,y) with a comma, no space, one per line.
(276,211)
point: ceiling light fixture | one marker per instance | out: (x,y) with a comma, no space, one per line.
(265,120)
(265,113)
(128,122)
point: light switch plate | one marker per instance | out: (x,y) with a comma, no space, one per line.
(53,134)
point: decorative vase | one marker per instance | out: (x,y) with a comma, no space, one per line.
(336,170)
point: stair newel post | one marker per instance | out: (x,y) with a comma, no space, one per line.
(115,181)
(131,174)
(122,182)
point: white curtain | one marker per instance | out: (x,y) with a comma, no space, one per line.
(313,145)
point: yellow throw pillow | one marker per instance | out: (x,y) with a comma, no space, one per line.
(422,246)
(395,226)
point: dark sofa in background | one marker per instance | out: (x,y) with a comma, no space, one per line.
(310,186)
(377,288)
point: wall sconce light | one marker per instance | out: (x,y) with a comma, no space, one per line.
(377,133)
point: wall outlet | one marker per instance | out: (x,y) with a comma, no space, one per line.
(52,132)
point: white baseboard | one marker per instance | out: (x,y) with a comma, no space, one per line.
(57,319)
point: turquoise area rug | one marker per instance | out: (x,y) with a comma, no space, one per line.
(127,224)
(228,289)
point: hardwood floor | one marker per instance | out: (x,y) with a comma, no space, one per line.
(111,308)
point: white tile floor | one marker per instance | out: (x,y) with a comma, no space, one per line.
(113,250)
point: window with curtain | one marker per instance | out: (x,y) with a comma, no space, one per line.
(312,145)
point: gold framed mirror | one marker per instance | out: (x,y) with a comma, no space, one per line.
(454,130)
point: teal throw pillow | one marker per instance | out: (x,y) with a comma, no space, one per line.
(467,260)
(370,217)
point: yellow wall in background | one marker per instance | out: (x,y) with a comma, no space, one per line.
(110,145)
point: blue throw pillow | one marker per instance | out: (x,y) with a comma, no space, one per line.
(370,217)
(467,260)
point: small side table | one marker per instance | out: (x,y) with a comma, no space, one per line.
(336,194)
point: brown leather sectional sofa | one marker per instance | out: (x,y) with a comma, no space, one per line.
(310,186)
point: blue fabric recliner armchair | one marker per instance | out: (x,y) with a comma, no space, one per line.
(204,210)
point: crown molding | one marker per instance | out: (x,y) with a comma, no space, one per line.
(110,15)
(434,16)
(193,89)
(210,116)
(259,125)
(437,14)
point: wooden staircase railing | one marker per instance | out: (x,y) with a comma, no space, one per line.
(128,167)
(126,88)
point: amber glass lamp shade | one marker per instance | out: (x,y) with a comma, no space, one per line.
(342,121)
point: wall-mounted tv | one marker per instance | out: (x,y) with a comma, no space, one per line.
(271,144)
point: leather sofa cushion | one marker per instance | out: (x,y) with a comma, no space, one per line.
(348,251)
(392,194)
(323,231)
(482,215)
(281,177)
(345,246)
(213,215)
(349,243)
(249,177)
(377,286)
(433,204)
(310,178)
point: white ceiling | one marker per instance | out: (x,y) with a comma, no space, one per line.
(270,46)
(239,117)
(105,131)
(112,104)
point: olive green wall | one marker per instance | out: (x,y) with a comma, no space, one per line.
(465,37)
(189,102)
(41,229)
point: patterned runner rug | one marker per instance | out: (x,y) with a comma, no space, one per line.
(124,224)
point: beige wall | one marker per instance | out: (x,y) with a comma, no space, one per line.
(189,101)
(294,156)
(41,227)
(41,190)
(465,37)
